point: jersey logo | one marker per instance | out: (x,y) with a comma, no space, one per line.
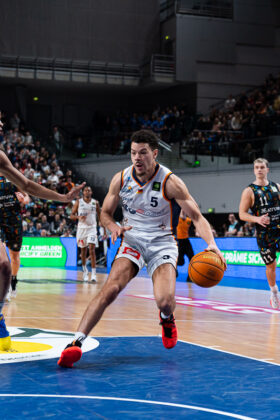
(156,186)
(132,252)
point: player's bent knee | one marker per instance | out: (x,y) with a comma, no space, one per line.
(110,294)
(5,270)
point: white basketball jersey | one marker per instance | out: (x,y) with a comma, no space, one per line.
(145,206)
(88,210)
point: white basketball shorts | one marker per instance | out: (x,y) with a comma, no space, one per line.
(151,253)
(86,236)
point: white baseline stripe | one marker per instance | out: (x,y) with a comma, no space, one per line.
(152,319)
(229,352)
(191,407)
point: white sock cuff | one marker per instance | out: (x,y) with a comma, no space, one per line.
(80,336)
(274,289)
(164,316)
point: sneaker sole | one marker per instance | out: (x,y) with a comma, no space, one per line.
(70,356)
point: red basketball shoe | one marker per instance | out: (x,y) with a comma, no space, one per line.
(71,354)
(169,331)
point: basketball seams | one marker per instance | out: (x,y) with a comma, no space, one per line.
(208,263)
(203,275)
(196,257)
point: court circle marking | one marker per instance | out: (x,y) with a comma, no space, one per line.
(93,397)
(29,344)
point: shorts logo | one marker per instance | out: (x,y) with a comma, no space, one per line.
(30,344)
(132,252)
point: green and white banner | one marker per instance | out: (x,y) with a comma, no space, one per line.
(249,258)
(48,252)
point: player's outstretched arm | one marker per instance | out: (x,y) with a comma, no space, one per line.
(74,213)
(176,189)
(31,187)
(108,209)
(246,202)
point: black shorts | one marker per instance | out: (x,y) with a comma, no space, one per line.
(268,251)
(11,235)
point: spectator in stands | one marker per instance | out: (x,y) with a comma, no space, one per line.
(44,223)
(15,121)
(53,178)
(233,227)
(54,226)
(57,139)
(79,147)
(230,103)
(38,229)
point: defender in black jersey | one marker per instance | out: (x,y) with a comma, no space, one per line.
(11,225)
(262,197)
(28,186)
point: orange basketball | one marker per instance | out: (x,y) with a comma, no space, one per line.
(206,269)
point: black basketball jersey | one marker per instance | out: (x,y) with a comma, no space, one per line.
(267,200)
(9,204)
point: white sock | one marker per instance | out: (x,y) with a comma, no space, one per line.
(85,268)
(274,289)
(93,271)
(80,336)
(164,316)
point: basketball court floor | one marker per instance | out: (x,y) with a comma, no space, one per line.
(226,363)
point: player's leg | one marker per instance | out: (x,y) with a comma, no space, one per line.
(271,278)
(5,279)
(84,262)
(15,264)
(81,238)
(189,253)
(123,270)
(92,255)
(269,257)
(189,249)
(181,250)
(164,281)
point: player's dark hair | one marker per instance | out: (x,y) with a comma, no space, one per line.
(86,186)
(145,136)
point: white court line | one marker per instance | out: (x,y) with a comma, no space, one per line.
(198,321)
(191,407)
(229,352)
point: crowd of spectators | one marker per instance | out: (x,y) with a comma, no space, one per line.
(241,126)
(235,228)
(40,164)
(237,128)
(112,133)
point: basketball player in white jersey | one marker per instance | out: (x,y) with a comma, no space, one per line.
(148,192)
(86,210)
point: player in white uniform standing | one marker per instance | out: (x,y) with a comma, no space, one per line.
(86,210)
(148,192)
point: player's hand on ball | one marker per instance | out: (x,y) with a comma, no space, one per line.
(215,249)
(118,231)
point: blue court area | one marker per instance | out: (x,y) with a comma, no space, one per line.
(136,378)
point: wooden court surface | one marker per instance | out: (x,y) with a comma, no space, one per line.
(55,299)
